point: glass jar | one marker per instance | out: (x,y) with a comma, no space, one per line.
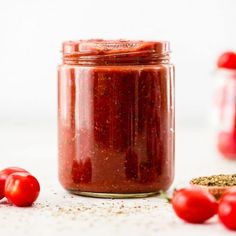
(116,118)
(225,100)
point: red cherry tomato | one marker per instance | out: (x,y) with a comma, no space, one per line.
(3,176)
(22,189)
(227,60)
(227,209)
(194,205)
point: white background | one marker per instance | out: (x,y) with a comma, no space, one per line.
(31,33)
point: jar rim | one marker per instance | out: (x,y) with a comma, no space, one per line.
(128,51)
(101,46)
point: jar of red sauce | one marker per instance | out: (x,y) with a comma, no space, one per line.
(116,118)
(225,100)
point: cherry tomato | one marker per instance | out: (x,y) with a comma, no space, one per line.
(227,60)
(194,205)
(22,189)
(227,209)
(3,176)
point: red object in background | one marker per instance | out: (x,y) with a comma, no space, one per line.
(22,189)
(4,175)
(227,60)
(194,205)
(226,103)
(227,209)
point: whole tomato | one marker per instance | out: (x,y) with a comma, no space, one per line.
(227,209)
(4,175)
(194,205)
(22,189)
(227,60)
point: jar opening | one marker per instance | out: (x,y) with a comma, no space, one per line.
(115,52)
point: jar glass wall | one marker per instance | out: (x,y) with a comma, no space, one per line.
(225,100)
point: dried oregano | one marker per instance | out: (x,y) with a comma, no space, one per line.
(216,180)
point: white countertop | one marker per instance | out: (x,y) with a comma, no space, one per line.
(57,212)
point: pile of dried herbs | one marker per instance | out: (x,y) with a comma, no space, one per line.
(216,180)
